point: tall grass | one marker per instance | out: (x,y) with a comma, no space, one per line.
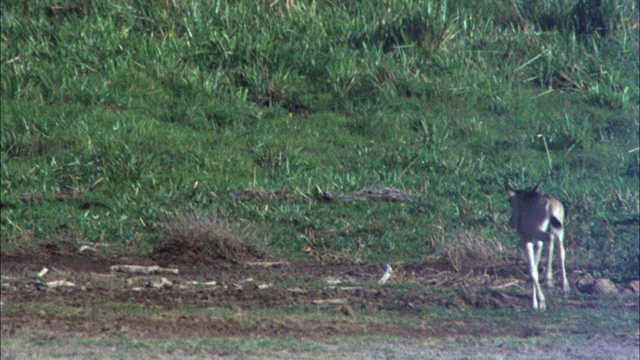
(150,109)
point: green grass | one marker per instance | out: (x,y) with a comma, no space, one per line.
(559,327)
(369,346)
(155,110)
(89,347)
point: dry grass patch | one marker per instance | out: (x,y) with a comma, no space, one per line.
(466,250)
(205,239)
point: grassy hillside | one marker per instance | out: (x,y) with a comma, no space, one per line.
(120,117)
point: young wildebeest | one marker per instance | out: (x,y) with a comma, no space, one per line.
(538,219)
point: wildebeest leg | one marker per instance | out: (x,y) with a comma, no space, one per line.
(538,300)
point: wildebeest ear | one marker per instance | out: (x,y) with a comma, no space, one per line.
(509,188)
(537,187)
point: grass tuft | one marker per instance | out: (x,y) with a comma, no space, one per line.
(204,239)
(466,249)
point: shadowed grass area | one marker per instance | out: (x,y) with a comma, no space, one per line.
(142,111)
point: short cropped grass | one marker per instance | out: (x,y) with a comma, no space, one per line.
(117,116)
(553,331)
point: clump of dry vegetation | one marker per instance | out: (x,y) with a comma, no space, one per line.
(469,250)
(205,239)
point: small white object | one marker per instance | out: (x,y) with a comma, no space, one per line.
(208,283)
(59,283)
(387,274)
(84,248)
(163,283)
(329,301)
(332,280)
(43,272)
(138,269)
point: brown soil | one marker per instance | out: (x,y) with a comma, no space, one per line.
(341,291)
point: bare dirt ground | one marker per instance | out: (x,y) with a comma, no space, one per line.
(311,302)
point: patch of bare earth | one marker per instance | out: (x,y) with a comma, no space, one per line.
(81,295)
